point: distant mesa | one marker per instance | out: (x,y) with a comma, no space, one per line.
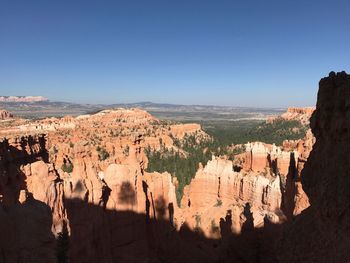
(302,115)
(22,98)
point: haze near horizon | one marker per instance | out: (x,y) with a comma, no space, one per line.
(262,54)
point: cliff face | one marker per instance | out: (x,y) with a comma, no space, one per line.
(321,232)
(25,221)
(217,189)
(300,114)
(262,183)
(87,174)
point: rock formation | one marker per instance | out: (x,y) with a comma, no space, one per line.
(217,189)
(25,221)
(86,177)
(321,232)
(4,115)
(81,171)
(265,178)
(300,114)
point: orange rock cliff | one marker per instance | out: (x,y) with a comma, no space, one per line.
(87,176)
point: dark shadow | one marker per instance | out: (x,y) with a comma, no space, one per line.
(127,194)
(112,236)
(248,224)
(62,245)
(44,152)
(320,233)
(106,192)
(236,168)
(226,225)
(160,207)
(148,204)
(273,165)
(79,187)
(171,213)
(25,226)
(289,190)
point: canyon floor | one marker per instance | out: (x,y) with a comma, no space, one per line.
(127,185)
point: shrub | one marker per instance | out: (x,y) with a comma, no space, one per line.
(198,222)
(218,203)
(126,151)
(67,167)
(102,153)
(214,228)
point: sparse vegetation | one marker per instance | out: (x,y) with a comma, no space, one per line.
(198,222)
(213,227)
(218,203)
(67,167)
(126,151)
(102,153)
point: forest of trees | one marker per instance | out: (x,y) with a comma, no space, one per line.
(184,168)
(243,132)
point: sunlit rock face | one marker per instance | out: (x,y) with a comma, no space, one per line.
(265,178)
(321,232)
(4,115)
(88,176)
(217,189)
(293,113)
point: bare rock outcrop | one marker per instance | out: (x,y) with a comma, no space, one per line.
(293,113)
(4,115)
(321,232)
(25,218)
(217,189)
(88,175)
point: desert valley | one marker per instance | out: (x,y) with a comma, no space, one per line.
(121,185)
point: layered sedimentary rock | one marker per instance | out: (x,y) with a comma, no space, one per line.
(25,221)
(88,175)
(4,115)
(321,232)
(217,189)
(264,182)
(300,114)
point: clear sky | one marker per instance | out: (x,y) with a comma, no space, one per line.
(239,53)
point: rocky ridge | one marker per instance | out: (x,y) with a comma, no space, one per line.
(261,187)
(22,98)
(93,161)
(293,113)
(323,227)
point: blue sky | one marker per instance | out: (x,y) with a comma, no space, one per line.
(239,53)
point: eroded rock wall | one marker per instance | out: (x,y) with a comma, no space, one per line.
(321,232)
